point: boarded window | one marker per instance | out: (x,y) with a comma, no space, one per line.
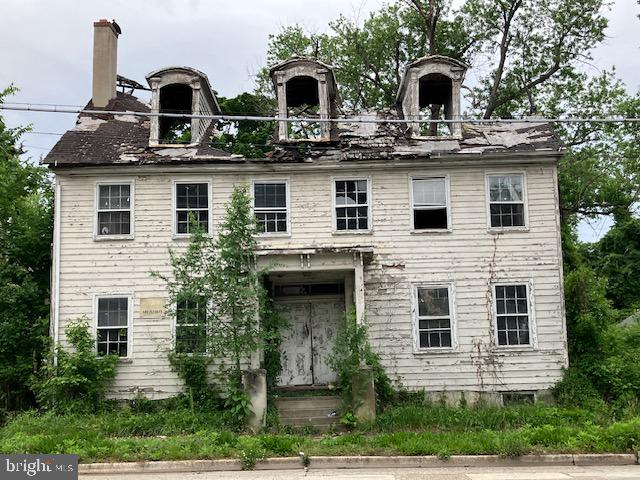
(114,210)
(430,204)
(506,201)
(433,318)
(175,99)
(512,315)
(270,207)
(191,326)
(192,207)
(302,97)
(112,326)
(352,205)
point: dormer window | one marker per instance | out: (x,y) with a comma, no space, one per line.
(430,90)
(180,90)
(303,101)
(305,89)
(434,102)
(175,98)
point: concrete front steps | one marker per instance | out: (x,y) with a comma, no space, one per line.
(318,412)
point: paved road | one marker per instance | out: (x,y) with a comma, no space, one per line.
(452,473)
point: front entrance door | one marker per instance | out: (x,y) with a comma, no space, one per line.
(309,339)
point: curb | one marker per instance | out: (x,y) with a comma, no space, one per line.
(323,463)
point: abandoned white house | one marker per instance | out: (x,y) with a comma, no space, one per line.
(445,237)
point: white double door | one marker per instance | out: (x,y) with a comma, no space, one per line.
(309,339)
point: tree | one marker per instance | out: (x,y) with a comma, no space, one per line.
(219,275)
(25,245)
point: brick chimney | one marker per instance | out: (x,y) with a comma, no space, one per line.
(105,56)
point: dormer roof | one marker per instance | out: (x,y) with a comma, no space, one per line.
(441,63)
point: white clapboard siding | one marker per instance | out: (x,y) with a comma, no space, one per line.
(468,257)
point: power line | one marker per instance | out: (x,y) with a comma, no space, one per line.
(234,118)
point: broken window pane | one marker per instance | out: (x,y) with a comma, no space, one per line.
(512,314)
(302,97)
(175,98)
(112,326)
(270,207)
(430,203)
(435,102)
(434,318)
(192,207)
(506,200)
(114,209)
(352,207)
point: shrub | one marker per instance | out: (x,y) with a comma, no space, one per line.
(79,378)
(353,350)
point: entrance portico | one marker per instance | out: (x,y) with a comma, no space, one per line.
(312,289)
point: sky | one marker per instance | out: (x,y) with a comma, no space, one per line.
(46,48)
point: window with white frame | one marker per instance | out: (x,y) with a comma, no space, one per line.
(512,315)
(112,330)
(430,203)
(352,204)
(433,322)
(114,209)
(270,206)
(192,207)
(506,201)
(191,326)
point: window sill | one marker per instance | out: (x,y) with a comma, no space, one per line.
(515,348)
(264,236)
(440,231)
(352,232)
(125,360)
(186,236)
(109,238)
(497,230)
(434,351)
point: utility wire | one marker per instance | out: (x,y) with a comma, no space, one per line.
(235,118)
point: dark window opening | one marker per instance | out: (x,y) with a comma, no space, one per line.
(518,398)
(435,95)
(175,98)
(303,101)
(308,289)
(430,219)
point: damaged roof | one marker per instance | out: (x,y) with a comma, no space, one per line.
(107,139)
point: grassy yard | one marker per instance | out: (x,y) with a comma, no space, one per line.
(126,435)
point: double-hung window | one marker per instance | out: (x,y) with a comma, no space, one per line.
(270,206)
(506,200)
(512,315)
(192,207)
(352,205)
(434,319)
(191,326)
(430,203)
(114,209)
(113,326)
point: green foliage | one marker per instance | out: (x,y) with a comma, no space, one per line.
(220,273)
(349,420)
(25,256)
(272,324)
(79,379)
(251,450)
(243,137)
(352,350)
(237,405)
(193,371)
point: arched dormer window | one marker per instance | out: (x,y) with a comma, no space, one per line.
(180,90)
(430,90)
(305,88)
